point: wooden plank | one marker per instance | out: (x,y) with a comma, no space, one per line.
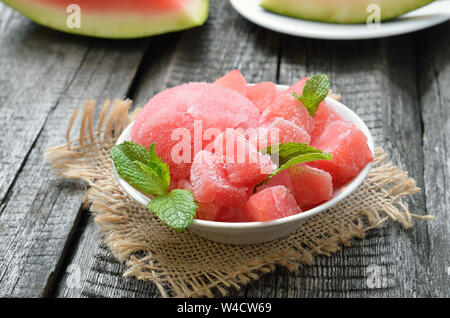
(226,42)
(377,80)
(37,66)
(434,81)
(40,211)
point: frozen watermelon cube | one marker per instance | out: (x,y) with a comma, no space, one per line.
(262,94)
(310,186)
(210,182)
(282,178)
(242,162)
(349,148)
(208,211)
(290,108)
(278,131)
(233,80)
(298,87)
(270,204)
(325,114)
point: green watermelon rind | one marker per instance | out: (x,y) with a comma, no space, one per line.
(114,26)
(330,11)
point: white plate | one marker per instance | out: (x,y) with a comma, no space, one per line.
(425,17)
(259,232)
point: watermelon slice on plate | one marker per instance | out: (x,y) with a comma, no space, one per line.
(115,18)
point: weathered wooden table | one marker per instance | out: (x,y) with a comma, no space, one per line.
(50,247)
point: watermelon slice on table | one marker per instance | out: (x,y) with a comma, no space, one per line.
(233,80)
(116,18)
(270,204)
(310,186)
(349,148)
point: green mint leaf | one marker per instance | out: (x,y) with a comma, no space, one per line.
(141,168)
(177,208)
(292,153)
(314,92)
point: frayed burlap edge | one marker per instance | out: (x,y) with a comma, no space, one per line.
(186,265)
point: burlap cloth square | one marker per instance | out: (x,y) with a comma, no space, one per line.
(187,265)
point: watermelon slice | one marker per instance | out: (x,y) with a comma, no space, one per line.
(233,80)
(208,211)
(270,204)
(116,18)
(310,186)
(349,148)
(342,11)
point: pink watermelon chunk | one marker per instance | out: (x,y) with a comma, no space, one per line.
(242,161)
(270,204)
(349,148)
(233,214)
(116,18)
(290,108)
(208,211)
(298,87)
(325,114)
(233,80)
(310,186)
(280,130)
(176,110)
(262,94)
(210,183)
(282,178)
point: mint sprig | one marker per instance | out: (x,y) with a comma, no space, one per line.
(145,171)
(291,154)
(314,92)
(177,208)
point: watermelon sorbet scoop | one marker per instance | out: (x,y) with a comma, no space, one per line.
(213,137)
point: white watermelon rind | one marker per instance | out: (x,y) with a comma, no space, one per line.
(341,11)
(122,25)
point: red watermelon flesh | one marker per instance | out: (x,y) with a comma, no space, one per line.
(242,161)
(282,178)
(290,108)
(262,94)
(298,87)
(115,18)
(325,114)
(270,204)
(176,110)
(233,80)
(278,131)
(210,183)
(208,211)
(349,148)
(310,186)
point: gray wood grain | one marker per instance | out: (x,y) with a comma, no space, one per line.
(40,212)
(434,83)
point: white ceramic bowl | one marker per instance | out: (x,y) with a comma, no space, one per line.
(259,232)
